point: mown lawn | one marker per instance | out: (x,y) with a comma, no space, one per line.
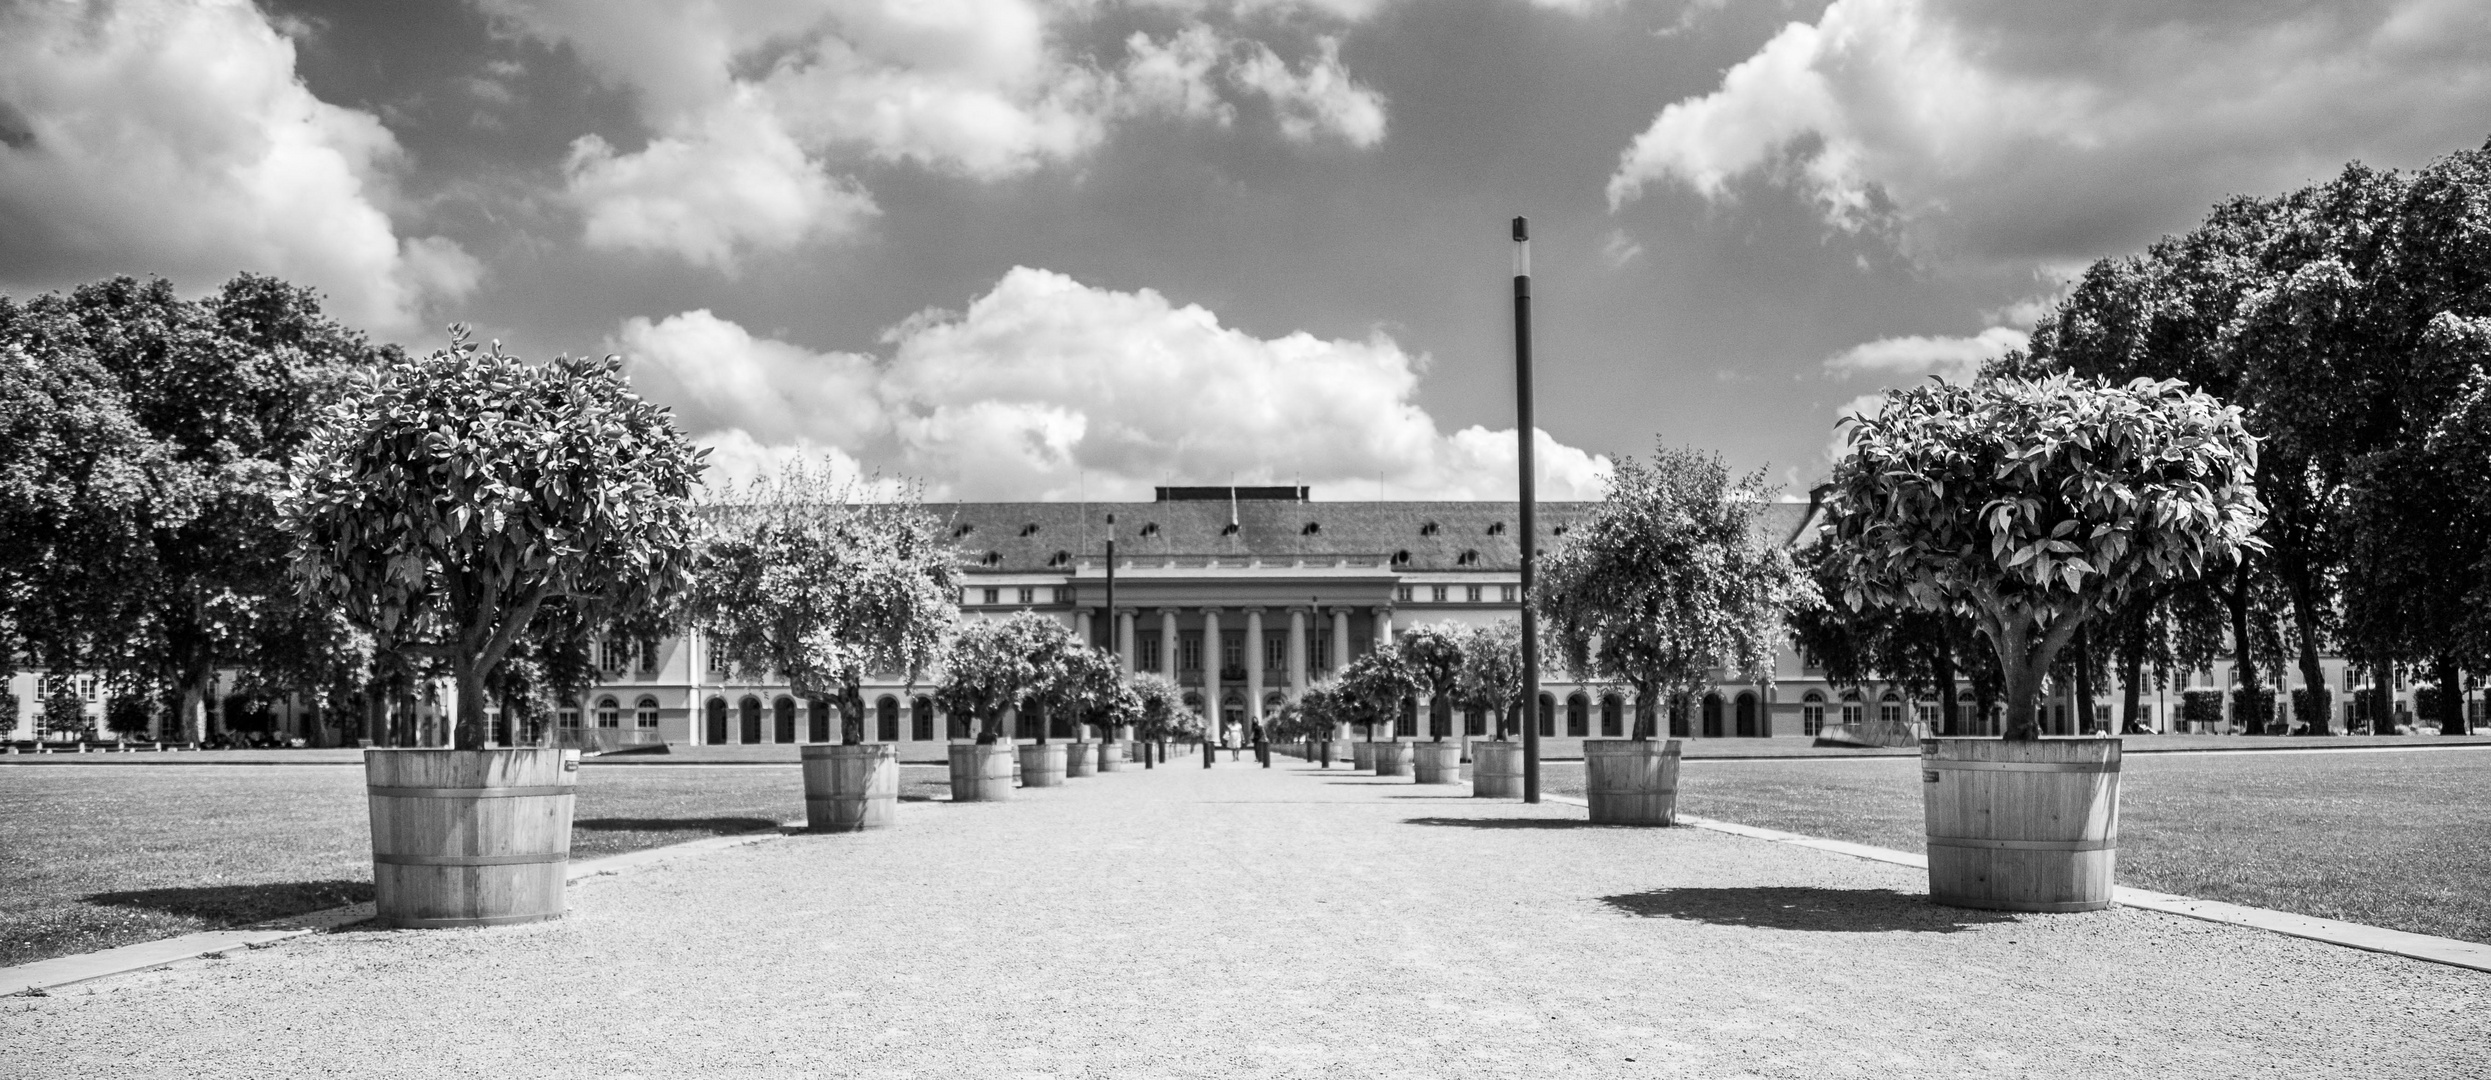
(99,857)
(2401,840)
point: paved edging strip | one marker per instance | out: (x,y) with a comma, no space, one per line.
(62,971)
(2437,950)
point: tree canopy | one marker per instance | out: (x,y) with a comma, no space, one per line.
(996,664)
(465,491)
(2029,506)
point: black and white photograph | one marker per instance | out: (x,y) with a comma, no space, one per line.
(1245,539)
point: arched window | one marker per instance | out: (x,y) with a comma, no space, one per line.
(1890,708)
(1578,715)
(1854,710)
(817,720)
(1548,716)
(1612,717)
(1474,722)
(1408,724)
(568,716)
(714,724)
(921,719)
(644,714)
(609,713)
(958,726)
(1811,714)
(887,719)
(1749,724)
(750,710)
(783,719)
(1680,726)
(1712,715)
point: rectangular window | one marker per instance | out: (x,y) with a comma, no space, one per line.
(648,657)
(1232,650)
(1811,718)
(994,596)
(1147,653)
(1441,593)
(1512,593)
(568,718)
(1321,640)
(1854,712)
(1189,651)
(608,716)
(921,720)
(1403,593)
(1028,596)
(717,659)
(1275,652)
(645,716)
(1475,591)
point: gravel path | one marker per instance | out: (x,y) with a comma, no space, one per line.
(1290,922)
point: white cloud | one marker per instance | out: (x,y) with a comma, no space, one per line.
(1955,359)
(732,183)
(1048,388)
(756,111)
(1321,100)
(1620,250)
(176,139)
(2067,130)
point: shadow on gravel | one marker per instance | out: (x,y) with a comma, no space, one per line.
(1507,823)
(239,904)
(1776,907)
(715,826)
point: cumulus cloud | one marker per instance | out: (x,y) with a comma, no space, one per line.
(176,139)
(1955,359)
(759,114)
(2057,131)
(1048,388)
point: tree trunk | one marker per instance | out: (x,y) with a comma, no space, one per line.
(468,733)
(2244,660)
(2303,585)
(2083,724)
(2451,695)
(2132,666)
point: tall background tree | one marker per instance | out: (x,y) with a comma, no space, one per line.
(2033,506)
(1672,578)
(1432,654)
(467,491)
(1490,679)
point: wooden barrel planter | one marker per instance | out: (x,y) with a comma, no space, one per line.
(1362,755)
(469,837)
(1631,783)
(1042,765)
(1081,759)
(850,788)
(1392,759)
(2021,826)
(1111,756)
(1436,762)
(982,772)
(1496,770)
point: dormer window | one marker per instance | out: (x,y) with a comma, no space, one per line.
(1496,528)
(1560,530)
(1469,558)
(1150,528)
(1062,558)
(963,530)
(1401,558)
(1030,529)
(994,558)
(1312,528)
(1428,529)
(1229,529)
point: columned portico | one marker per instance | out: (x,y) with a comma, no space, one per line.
(1297,653)
(1211,672)
(1254,664)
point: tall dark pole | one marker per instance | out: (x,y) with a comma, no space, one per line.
(1523,429)
(1113,645)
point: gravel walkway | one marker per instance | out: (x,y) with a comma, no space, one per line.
(1290,922)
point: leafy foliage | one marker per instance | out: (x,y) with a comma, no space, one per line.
(1490,679)
(998,664)
(1371,689)
(2029,506)
(1671,579)
(464,492)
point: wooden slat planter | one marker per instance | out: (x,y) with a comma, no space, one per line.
(1391,758)
(1436,762)
(1081,759)
(469,837)
(850,788)
(982,772)
(1042,765)
(1496,769)
(1631,783)
(1362,755)
(2021,826)
(1112,756)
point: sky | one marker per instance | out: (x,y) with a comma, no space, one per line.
(1071,249)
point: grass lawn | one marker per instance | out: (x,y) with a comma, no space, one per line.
(2401,840)
(99,857)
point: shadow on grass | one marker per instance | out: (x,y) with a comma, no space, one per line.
(238,904)
(715,826)
(1506,823)
(1780,907)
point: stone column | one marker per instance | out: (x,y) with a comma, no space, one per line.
(1254,664)
(1383,627)
(1340,639)
(1297,653)
(1123,645)
(1081,627)
(1211,670)
(1167,642)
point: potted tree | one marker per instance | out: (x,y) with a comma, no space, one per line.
(1118,709)
(809,581)
(991,667)
(1671,576)
(1083,683)
(2031,506)
(1490,681)
(1160,700)
(1373,686)
(443,508)
(1432,655)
